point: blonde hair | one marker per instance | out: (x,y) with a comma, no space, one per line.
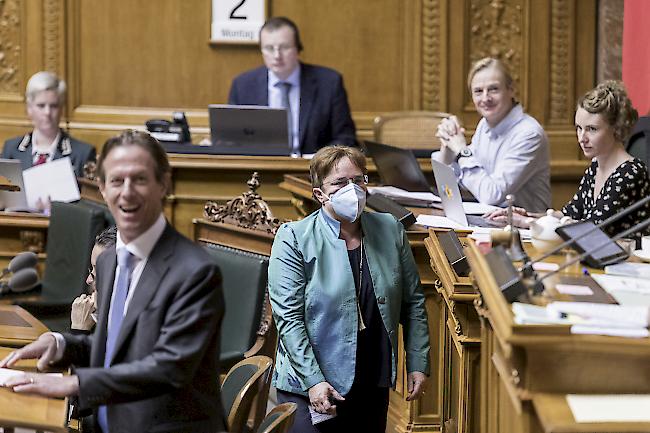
(42,81)
(490,62)
(326,159)
(609,99)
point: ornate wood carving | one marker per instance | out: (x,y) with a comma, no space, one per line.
(248,210)
(431,65)
(52,10)
(496,30)
(10,47)
(560,69)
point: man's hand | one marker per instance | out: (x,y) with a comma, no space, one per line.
(319,397)
(520,217)
(82,307)
(451,135)
(415,384)
(44,349)
(45,385)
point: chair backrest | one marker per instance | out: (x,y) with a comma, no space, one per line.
(415,130)
(70,239)
(279,420)
(244,288)
(242,383)
(638,145)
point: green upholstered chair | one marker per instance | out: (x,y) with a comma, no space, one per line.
(244,290)
(279,420)
(246,380)
(70,238)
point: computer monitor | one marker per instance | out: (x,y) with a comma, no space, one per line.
(249,130)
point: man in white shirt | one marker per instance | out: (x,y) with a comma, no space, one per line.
(152,363)
(509,151)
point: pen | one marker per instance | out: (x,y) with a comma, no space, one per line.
(585,271)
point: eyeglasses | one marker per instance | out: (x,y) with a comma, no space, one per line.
(361,179)
(282,49)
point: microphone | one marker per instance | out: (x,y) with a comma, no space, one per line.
(515,282)
(22,281)
(21,261)
(528,265)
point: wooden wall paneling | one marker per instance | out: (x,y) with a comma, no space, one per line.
(435,70)
(15,36)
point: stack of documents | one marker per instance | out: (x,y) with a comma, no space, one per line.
(404,197)
(587,317)
(447,223)
(628,291)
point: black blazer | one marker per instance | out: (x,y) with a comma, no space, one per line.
(324,111)
(78,151)
(164,375)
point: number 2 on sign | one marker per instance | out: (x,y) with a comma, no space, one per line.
(234,10)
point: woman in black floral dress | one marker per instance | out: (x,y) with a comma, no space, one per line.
(614,180)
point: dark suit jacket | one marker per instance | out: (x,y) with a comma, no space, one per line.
(78,151)
(164,375)
(324,111)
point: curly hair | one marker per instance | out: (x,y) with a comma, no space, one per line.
(609,99)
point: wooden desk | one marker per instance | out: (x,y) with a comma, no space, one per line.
(20,232)
(520,364)
(26,411)
(18,327)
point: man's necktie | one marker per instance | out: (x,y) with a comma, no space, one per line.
(41,158)
(125,264)
(285,88)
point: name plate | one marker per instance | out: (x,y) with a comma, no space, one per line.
(237,21)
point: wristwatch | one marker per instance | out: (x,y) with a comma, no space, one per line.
(464,153)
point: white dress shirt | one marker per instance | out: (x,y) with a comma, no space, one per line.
(141,248)
(275,101)
(511,158)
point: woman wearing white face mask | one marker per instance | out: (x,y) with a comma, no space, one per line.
(341,281)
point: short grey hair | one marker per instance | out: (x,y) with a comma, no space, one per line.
(42,81)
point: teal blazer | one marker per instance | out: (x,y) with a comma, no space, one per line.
(314,301)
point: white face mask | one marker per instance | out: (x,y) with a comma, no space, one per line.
(348,202)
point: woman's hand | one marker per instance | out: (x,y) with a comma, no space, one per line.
(319,397)
(415,384)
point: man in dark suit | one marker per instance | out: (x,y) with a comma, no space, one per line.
(153,359)
(315,96)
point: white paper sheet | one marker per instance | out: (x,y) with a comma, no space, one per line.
(397,193)
(444,222)
(618,316)
(610,407)
(473,208)
(610,331)
(7,373)
(54,179)
(574,289)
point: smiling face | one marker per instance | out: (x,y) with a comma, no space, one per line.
(131,191)
(279,51)
(44,110)
(595,135)
(492,98)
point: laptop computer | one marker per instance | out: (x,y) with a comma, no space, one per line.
(452,202)
(398,167)
(13,171)
(249,130)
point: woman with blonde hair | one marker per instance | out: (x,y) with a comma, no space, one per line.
(615,180)
(45,96)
